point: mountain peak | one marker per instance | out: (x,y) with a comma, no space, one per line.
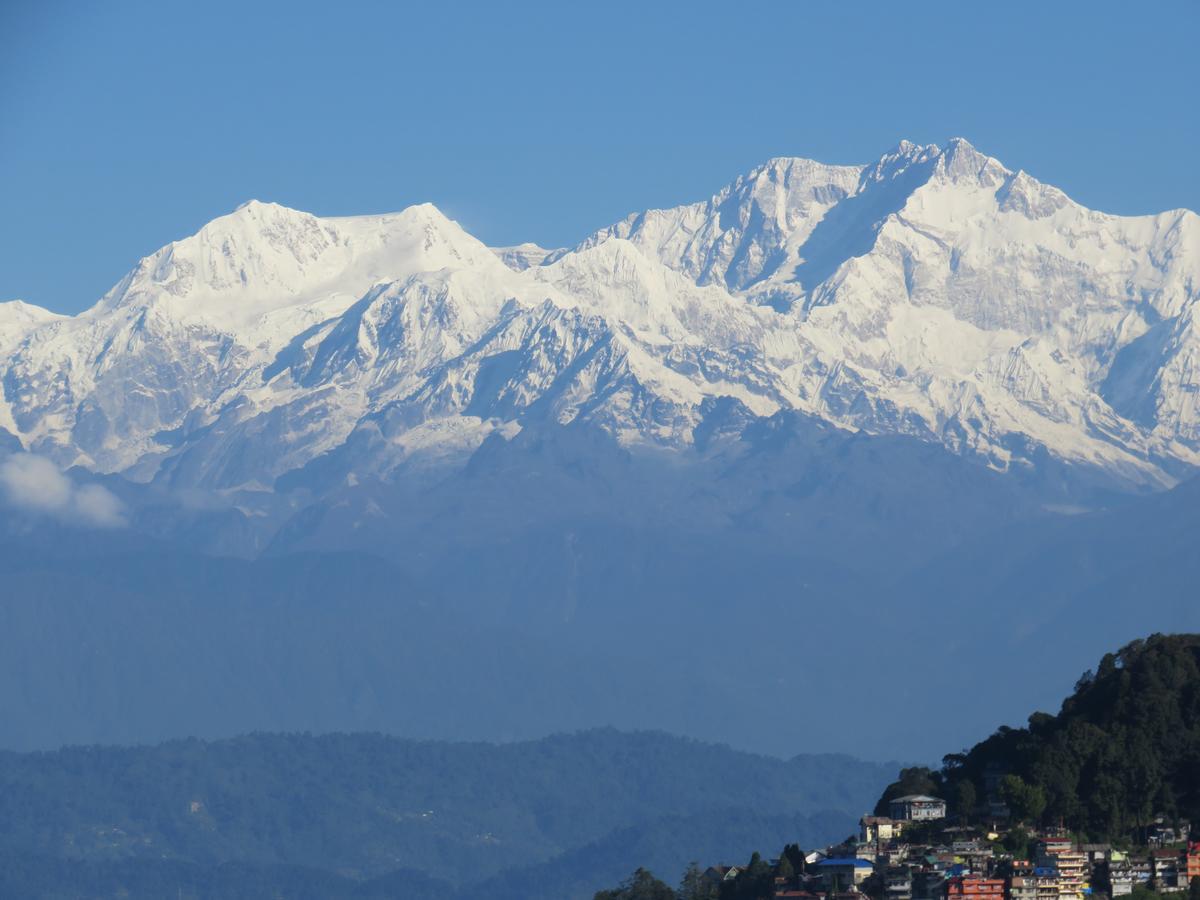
(22,313)
(903,159)
(960,159)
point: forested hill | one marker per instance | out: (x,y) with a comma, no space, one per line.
(1124,747)
(364,815)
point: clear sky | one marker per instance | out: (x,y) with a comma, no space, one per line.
(124,125)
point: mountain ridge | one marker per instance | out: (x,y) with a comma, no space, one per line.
(931,293)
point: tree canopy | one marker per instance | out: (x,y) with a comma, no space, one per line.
(1124,747)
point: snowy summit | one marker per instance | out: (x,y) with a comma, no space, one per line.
(933,293)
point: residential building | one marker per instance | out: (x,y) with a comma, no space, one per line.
(876,829)
(1021,887)
(1165,868)
(898,883)
(1071,864)
(1045,883)
(929,884)
(1124,874)
(917,808)
(718,874)
(842,873)
(1162,831)
(974,887)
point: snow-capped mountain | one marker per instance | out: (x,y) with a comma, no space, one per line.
(933,293)
(727,451)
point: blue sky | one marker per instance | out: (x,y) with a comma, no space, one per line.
(124,125)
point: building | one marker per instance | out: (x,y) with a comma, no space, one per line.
(1191,860)
(718,874)
(974,887)
(1021,887)
(1071,864)
(1124,873)
(841,873)
(1045,883)
(875,829)
(917,808)
(898,883)
(1166,866)
(1162,831)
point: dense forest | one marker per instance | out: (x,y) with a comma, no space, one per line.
(364,815)
(1124,748)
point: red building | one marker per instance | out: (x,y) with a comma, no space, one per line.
(1192,860)
(974,887)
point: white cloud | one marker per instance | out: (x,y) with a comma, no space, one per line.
(34,483)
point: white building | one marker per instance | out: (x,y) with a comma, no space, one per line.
(917,808)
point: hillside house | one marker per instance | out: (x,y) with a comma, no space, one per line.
(1165,870)
(917,808)
(839,873)
(1021,887)
(974,887)
(877,829)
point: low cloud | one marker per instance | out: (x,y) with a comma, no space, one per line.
(34,483)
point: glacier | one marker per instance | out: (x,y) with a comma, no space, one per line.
(934,293)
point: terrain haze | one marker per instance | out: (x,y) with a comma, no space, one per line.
(704,463)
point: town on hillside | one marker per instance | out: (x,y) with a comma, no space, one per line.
(918,853)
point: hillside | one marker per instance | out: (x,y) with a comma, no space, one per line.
(368,809)
(1124,747)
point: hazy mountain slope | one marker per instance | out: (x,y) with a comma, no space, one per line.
(121,644)
(665,846)
(832,405)
(363,805)
(542,619)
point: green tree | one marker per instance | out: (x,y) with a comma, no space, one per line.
(1018,842)
(694,886)
(785,868)
(641,885)
(756,880)
(965,799)
(795,856)
(1026,802)
(913,780)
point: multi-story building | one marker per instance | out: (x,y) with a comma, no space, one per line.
(1045,882)
(843,873)
(1022,887)
(1124,874)
(1166,870)
(878,829)
(898,883)
(929,884)
(917,808)
(1071,864)
(974,887)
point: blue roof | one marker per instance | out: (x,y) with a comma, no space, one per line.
(847,861)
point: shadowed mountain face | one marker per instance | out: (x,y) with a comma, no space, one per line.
(571,811)
(761,626)
(735,462)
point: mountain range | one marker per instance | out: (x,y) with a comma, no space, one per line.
(934,293)
(828,412)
